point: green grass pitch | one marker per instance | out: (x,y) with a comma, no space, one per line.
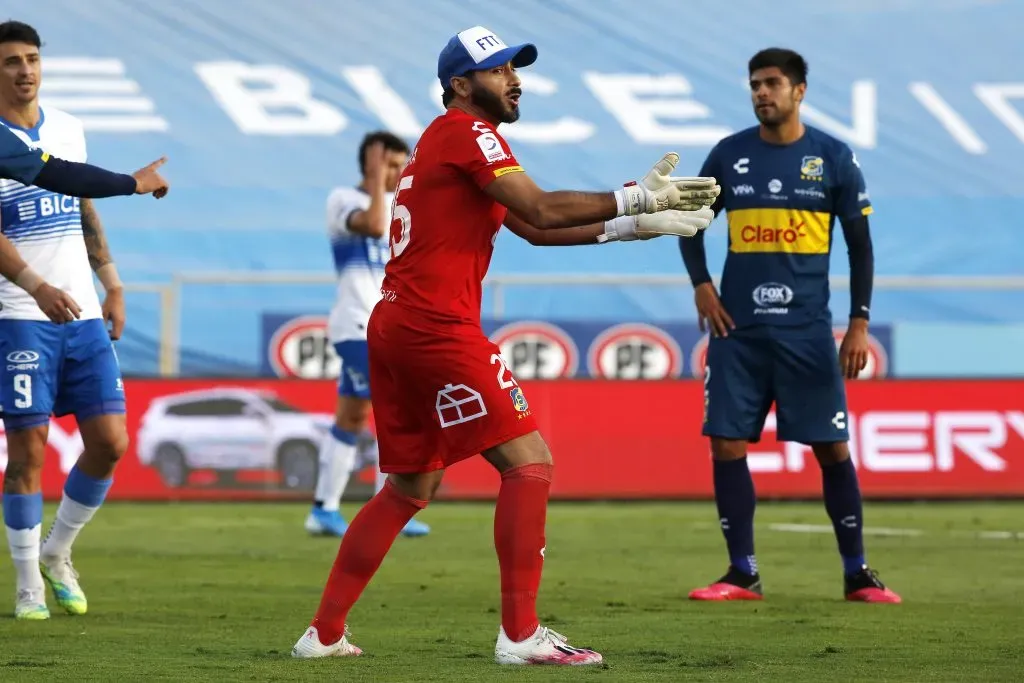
(220,592)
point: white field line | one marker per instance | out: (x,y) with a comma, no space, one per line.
(827,529)
(986,535)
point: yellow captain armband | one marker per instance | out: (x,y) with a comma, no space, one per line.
(498,172)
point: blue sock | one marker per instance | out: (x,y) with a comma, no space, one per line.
(83,496)
(85,490)
(23,510)
(843,503)
(734,495)
(23,516)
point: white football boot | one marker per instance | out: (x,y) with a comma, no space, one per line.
(30,604)
(63,580)
(543,647)
(310,647)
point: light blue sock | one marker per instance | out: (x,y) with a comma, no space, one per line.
(83,489)
(82,497)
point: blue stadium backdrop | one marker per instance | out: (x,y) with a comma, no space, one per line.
(260,107)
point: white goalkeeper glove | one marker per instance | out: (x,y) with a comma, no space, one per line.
(659,191)
(648,225)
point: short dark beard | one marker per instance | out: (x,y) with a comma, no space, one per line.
(767,122)
(493,105)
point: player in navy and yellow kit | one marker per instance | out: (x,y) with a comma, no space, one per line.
(784,184)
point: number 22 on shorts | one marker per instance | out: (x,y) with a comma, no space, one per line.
(502,371)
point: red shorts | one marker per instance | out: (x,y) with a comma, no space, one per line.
(441,393)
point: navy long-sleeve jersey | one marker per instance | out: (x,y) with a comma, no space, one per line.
(781,202)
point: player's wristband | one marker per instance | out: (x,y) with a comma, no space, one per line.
(108,277)
(631,199)
(29,280)
(621,229)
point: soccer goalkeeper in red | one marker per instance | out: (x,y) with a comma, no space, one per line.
(441,390)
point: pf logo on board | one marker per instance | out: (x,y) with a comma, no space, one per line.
(878,359)
(301,348)
(536,350)
(635,351)
(699,357)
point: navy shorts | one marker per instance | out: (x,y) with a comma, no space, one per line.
(798,371)
(355,368)
(57,369)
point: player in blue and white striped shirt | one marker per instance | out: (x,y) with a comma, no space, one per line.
(53,333)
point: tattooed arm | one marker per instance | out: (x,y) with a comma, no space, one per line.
(102,264)
(95,238)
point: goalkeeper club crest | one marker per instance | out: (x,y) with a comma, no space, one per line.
(536,350)
(519,400)
(301,348)
(635,351)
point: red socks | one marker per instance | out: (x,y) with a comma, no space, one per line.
(367,541)
(519,519)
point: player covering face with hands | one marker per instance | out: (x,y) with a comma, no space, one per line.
(441,391)
(358,222)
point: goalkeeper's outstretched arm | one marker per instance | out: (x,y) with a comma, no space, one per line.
(658,191)
(621,229)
